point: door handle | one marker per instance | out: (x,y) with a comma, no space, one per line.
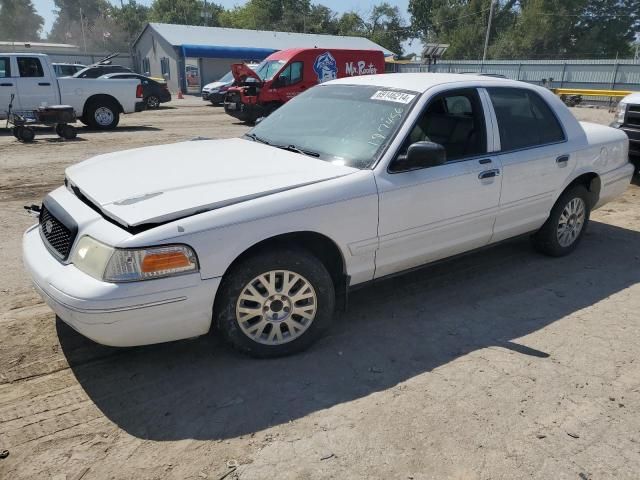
(562,160)
(44,84)
(484,161)
(6,84)
(489,174)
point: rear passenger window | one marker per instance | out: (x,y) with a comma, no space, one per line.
(30,67)
(524,119)
(5,67)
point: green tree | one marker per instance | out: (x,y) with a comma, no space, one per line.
(387,28)
(70,13)
(606,28)
(528,28)
(185,12)
(131,18)
(19,21)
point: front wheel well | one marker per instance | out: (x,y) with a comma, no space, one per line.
(317,244)
(591,181)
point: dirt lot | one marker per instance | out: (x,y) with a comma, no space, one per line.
(501,365)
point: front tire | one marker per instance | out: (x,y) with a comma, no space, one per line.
(565,227)
(103,115)
(275,304)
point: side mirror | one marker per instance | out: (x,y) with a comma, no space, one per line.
(421,155)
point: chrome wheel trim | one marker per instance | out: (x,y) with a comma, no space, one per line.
(276,307)
(571,222)
(104,116)
(153,102)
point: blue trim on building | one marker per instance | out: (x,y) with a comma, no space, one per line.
(213,51)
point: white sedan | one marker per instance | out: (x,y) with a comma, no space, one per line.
(352,181)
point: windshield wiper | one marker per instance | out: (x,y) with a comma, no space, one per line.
(289,148)
(293,148)
(256,138)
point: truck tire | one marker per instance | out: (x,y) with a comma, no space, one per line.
(276,303)
(102,114)
(567,222)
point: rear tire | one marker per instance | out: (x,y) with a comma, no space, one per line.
(275,304)
(565,227)
(153,102)
(103,115)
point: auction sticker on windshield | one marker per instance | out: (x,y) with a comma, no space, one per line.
(393,96)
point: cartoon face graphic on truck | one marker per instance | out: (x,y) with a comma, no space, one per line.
(325,67)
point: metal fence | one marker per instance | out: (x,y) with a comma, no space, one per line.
(584,74)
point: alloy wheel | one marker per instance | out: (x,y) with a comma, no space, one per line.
(276,307)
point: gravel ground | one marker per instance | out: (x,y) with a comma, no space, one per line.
(500,365)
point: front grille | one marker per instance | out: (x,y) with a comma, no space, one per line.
(58,236)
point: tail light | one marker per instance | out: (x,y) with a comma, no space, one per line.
(139,91)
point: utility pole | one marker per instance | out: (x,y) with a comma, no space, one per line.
(84,40)
(486,38)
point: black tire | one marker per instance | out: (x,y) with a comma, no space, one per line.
(84,121)
(153,102)
(546,240)
(102,114)
(60,129)
(26,134)
(16,131)
(295,260)
(69,132)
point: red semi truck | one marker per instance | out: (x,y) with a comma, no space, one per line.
(285,74)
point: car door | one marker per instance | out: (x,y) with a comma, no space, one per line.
(289,81)
(430,213)
(8,86)
(35,85)
(535,159)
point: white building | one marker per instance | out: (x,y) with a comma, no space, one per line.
(189,56)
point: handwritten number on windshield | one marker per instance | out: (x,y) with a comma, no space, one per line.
(386,125)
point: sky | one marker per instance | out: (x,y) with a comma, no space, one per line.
(46,7)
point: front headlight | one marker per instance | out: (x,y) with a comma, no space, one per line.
(621,111)
(91,256)
(130,265)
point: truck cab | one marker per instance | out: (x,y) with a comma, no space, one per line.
(627,119)
(287,73)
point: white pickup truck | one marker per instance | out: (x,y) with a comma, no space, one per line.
(351,181)
(32,80)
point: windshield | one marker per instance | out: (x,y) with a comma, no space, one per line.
(344,124)
(228,77)
(267,69)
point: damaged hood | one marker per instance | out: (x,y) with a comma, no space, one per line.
(162,183)
(241,72)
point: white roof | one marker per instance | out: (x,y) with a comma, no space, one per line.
(421,82)
(178,35)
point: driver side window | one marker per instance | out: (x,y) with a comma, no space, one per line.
(454,120)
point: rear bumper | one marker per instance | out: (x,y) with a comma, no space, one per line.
(121,315)
(614,183)
(140,106)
